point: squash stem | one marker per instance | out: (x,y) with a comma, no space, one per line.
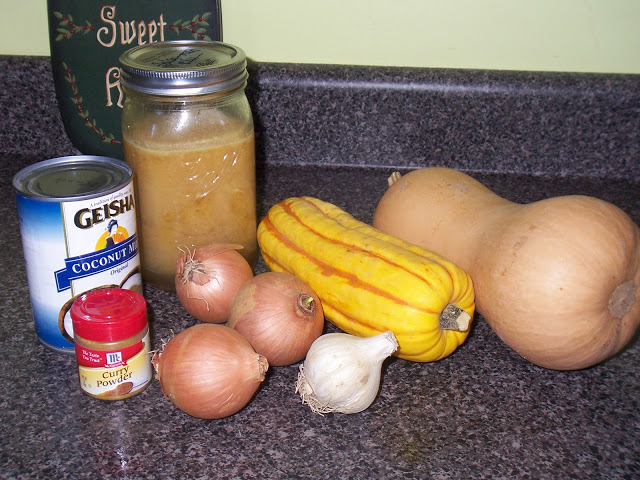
(395,176)
(454,318)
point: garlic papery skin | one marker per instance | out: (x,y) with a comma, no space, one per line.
(341,372)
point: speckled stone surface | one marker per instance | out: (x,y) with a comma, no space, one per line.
(482,413)
(472,120)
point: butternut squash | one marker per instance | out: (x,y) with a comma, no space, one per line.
(370,282)
(558,280)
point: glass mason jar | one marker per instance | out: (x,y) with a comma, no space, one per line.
(188,135)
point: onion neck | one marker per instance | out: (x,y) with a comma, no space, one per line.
(306,305)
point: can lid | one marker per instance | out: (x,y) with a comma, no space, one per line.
(183,68)
(77,177)
(109,314)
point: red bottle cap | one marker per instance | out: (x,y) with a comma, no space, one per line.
(109,314)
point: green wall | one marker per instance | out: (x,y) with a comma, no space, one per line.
(553,35)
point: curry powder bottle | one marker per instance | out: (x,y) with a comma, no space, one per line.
(112,343)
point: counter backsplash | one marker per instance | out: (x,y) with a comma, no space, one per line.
(520,122)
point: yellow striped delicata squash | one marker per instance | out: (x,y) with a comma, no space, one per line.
(368,281)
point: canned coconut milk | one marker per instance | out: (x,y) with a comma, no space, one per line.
(78,226)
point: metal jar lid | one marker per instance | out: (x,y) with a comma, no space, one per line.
(183,68)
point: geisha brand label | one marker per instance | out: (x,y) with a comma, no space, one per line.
(101,240)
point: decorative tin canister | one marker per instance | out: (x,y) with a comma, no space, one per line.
(88,36)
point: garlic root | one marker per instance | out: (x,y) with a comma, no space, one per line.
(308,397)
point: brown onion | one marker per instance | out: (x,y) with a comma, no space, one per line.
(279,314)
(208,278)
(209,371)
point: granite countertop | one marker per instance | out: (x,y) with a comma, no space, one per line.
(482,413)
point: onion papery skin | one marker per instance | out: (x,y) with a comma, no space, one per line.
(208,278)
(279,314)
(209,371)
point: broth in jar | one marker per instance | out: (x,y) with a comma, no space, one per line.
(195,192)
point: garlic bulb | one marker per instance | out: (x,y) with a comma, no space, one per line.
(341,372)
